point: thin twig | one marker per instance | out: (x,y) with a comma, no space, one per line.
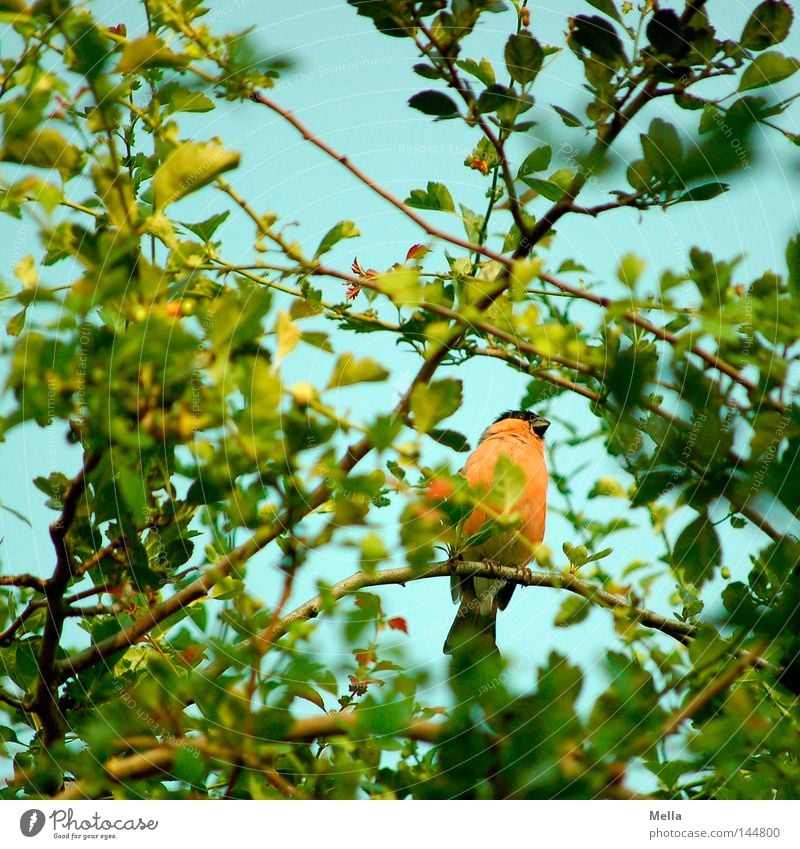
(664,335)
(435,232)
(30,581)
(718,685)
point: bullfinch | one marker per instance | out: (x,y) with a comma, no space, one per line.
(518,435)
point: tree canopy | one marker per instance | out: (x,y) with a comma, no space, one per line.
(165,374)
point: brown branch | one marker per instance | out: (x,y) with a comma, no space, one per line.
(30,581)
(465,92)
(93,610)
(681,631)
(472,322)
(45,698)
(536,371)
(606,136)
(334,724)
(627,202)
(744,661)
(129,768)
(97,558)
(33,606)
(434,232)
(200,587)
(159,760)
(12,629)
(664,335)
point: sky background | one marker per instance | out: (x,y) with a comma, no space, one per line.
(350,86)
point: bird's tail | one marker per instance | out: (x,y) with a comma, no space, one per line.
(475,626)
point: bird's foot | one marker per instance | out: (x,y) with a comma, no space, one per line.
(524,571)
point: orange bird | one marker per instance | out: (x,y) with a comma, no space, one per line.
(518,435)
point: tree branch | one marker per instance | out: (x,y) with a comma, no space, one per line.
(45,698)
(159,759)
(464,91)
(30,581)
(680,631)
(712,360)
(434,232)
(744,661)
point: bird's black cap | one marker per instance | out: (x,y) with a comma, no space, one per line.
(537,424)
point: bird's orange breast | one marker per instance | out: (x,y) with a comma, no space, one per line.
(513,439)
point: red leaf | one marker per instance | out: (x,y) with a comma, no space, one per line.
(416,252)
(398,624)
(364,657)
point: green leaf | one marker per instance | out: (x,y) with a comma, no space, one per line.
(707,647)
(547,188)
(402,286)
(668,36)
(317,339)
(384,16)
(450,439)
(768,25)
(598,36)
(662,148)
(434,103)
(607,7)
(45,149)
(697,551)
(639,175)
(496,98)
(630,269)
(149,51)
(427,71)
(383,431)
(654,485)
(482,70)
(349,370)
(473,223)
(342,230)
(189,767)
(16,323)
(433,402)
(132,489)
(524,57)
(793,263)
(508,483)
(573,609)
(566,116)
(767,69)
(177,98)
(536,160)
(206,229)
(705,192)
(373,551)
(436,196)
(188,168)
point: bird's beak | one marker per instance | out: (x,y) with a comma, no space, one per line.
(539,426)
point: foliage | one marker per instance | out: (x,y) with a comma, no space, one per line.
(161,358)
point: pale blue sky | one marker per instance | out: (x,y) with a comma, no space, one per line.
(350,85)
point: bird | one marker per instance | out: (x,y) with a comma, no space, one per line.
(518,435)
